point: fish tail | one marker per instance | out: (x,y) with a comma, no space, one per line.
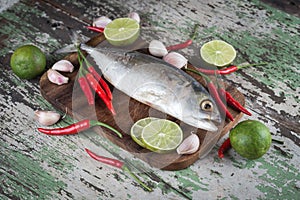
(86,48)
(76,41)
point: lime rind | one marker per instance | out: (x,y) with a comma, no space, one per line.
(218,53)
(162,135)
(136,129)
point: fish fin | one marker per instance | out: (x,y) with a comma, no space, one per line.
(87,48)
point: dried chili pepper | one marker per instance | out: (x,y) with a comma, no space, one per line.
(96,29)
(77,127)
(101,81)
(214,93)
(227,70)
(224,147)
(184,44)
(118,164)
(232,102)
(101,93)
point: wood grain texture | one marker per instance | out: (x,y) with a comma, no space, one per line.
(70,97)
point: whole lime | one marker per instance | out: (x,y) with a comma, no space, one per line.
(28,61)
(251,139)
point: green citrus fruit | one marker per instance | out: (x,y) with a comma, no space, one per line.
(122,31)
(28,61)
(137,128)
(162,135)
(218,53)
(251,139)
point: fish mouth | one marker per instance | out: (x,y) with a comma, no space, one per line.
(208,125)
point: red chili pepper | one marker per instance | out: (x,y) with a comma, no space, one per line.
(180,46)
(98,89)
(86,90)
(118,164)
(224,147)
(227,70)
(101,81)
(96,29)
(184,44)
(214,93)
(72,129)
(77,127)
(232,102)
(105,160)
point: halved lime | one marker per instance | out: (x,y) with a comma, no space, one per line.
(218,53)
(137,128)
(122,31)
(161,135)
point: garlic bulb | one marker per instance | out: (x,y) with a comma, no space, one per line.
(176,59)
(134,15)
(189,145)
(56,77)
(101,22)
(157,48)
(63,66)
(46,118)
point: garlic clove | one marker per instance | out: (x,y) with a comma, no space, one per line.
(46,118)
(63,66)
(135,16)
(157,48)
(189,145)
(56,77)
(176,59)
(101,22)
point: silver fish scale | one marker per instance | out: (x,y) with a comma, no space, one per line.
(157,84)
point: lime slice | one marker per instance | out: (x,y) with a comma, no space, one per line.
(122,31)
(218,53)
(137,128)
(162,135)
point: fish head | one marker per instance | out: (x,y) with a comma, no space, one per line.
(206,114)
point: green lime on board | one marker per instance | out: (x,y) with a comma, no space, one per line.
(28,61)
(161,135)
(218,53)
(251,139)
(122,31)
(137,128)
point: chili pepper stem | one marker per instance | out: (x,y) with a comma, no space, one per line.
(251,65)
(136,178)
(97,123)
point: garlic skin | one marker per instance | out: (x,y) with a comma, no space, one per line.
(46,118)
(157,48)
(57,78)
(101,22)
(135,16)
(189,145)
(176,59)
(63,66)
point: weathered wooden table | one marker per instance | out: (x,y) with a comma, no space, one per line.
(36,166)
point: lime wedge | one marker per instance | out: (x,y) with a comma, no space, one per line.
(122,31)
(161,135)
(218,53)
(137,128)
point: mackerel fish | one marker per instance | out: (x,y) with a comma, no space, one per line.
(157,84)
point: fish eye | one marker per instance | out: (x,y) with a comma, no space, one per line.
(206,105)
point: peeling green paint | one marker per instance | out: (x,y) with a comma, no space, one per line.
(25,175)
